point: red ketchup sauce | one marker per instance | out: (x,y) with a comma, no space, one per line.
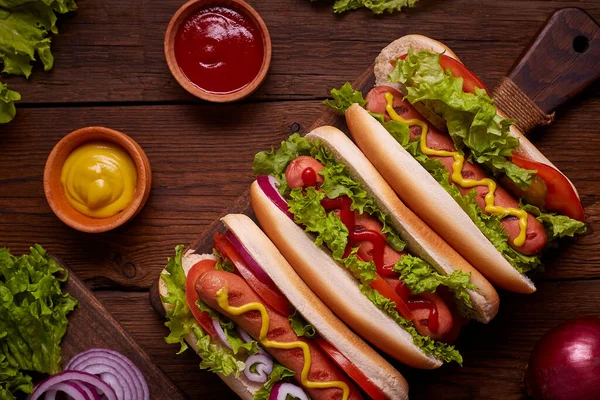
(309,177)
(219,49)
(360,234)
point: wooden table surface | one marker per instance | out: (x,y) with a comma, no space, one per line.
(110,71)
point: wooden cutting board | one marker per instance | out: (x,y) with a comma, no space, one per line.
(92,326)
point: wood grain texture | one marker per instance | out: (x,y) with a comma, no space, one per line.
(561,61)
(110,71)
(112,51)
(92,326)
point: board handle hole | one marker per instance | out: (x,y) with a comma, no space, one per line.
(581,44)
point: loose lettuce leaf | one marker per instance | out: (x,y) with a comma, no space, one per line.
(300,326)
(443,351)
(471,119)
(7,103)
(377,6)
(33,317)
(181,322)
(279,372)
(557,226)
(343,98)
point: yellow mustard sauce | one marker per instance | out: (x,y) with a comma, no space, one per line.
(99,179)
(223,301)
(457,177)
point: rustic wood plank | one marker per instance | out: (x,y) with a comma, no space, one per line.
(495,354)
(112,51)
(92,326)
(191,188)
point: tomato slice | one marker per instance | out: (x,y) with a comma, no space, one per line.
(350,369)
(388,292)
(561,197)
(269,294)
(470,81)
(191,295)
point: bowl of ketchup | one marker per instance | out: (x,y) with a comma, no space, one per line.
(218,50)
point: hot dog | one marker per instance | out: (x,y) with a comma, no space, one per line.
(255,323)
(425,114)
(380,268)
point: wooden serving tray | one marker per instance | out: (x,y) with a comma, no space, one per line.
(493,369)
(92,326)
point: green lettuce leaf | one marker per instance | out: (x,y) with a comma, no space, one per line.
(33,317)
(300,326)
(443,351)
(421,277)
(377,6)
(471,119)
(7,103)
(557,226)
(344,97)
(279,372)
(181,322)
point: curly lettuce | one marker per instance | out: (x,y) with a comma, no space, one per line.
(557,226)
(471,118)
(7,103)
(33,318)
(25,28)
(376,6)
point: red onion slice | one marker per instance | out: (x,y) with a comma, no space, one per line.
(244,335)
(115,369)
(221,333)
(250,262)
(281,391)
(269,184)
(72,389)
(263,366)
(73,377)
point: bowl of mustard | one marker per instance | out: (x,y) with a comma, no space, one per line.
(97,179)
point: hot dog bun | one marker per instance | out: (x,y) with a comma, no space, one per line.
(328,326)
(339,289)
(400,46)
(240,385)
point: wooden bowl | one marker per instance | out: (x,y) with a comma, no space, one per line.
(237,5)
(55,193)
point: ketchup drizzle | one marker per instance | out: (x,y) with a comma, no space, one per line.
(358,233)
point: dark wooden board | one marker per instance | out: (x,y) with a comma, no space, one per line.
(92,326)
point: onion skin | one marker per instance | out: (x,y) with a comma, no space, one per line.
(565,363)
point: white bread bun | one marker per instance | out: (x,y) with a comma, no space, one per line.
(240,385)
(400,46)
(329,327)
(422,193)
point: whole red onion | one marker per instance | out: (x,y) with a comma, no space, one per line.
(565,363)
